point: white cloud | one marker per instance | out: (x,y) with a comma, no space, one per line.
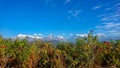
(110,22)
(67,1)
(110,28)
(114,31)
(108,8)
(46,1)
(22,36)
(117,4)
(74,14)
(81,35)
(109,25)
(97,7)
(111,17)
(60,37)
(40,36)
(102,15)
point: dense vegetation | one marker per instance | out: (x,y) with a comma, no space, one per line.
(86,53)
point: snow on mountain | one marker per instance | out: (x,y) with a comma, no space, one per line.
(22,36)
(40,36)
(60,38)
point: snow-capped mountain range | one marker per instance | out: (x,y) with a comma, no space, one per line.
(59,38)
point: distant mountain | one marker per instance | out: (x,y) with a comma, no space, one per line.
(101,38)
(108,38)
(72,39)
(75,37)
(53,39)
(50,38)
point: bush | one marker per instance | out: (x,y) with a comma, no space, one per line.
(85,53)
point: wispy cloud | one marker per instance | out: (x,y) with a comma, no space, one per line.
(108,8)
(115,32)
(110,25)
(67,1)
(97,7)
(117,4)
(74,14)
(110,22)
(110,28)
(111,17)
(46,1)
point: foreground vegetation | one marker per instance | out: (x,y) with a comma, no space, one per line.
(86,53)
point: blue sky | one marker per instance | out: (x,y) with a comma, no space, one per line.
(59,17)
